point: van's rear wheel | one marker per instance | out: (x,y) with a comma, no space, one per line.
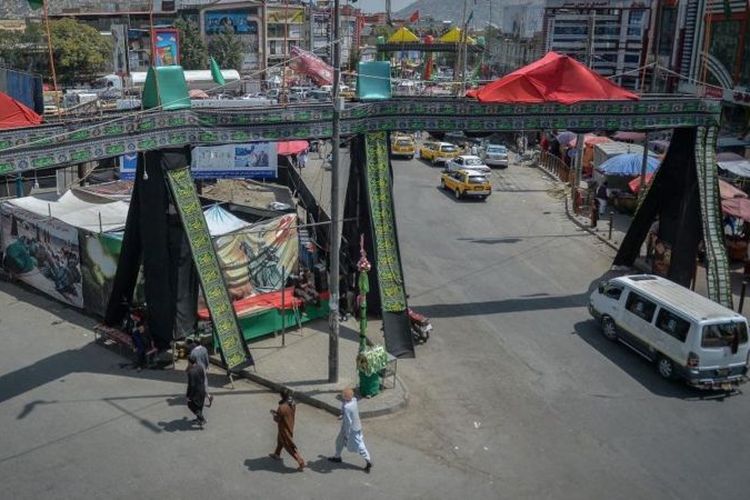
(665,366)
(608,328)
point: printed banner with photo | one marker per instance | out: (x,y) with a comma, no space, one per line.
(241,161)
(166,47)
(43,253)
(256,259)
(128,165)
(236,21)
(99,255)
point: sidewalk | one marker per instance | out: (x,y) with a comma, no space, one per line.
(302,366)
(621,223)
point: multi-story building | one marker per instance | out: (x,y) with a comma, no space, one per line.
(285,28)
(319,32)
(710,52)
(609,36)
(245,20)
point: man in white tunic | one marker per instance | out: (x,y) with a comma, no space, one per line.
(350,434)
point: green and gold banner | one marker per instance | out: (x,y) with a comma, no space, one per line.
(380,194)
(233,348)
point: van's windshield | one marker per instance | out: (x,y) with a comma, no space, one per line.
(724,334)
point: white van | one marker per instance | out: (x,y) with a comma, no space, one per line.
(685,334)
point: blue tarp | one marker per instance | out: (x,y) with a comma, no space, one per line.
(628,164)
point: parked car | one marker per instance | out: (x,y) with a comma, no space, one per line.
(687,335)
(438,152)
(468,162)
(403,145)
(496,155)
(466,183)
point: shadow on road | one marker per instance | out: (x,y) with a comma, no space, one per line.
(179,425)
(641,369)
(520,304)
(324,466)
(268,464)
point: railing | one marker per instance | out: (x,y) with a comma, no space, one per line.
(554,166)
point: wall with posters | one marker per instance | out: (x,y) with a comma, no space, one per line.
(256,160)
(43,253)
(255,260)
(244,23)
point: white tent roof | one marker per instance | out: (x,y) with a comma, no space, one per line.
(740,168)
(77,212)
(221,222)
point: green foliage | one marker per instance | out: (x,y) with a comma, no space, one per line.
(24,50)
(80,51)
(193,51)
(228,49)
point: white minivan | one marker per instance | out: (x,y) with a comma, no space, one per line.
(687,335)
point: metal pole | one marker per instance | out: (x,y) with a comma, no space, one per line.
(577,171)
(742,296)
(283,308)
(333,236)
(644,166)
(611,220)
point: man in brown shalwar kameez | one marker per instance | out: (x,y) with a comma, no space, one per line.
(284,417)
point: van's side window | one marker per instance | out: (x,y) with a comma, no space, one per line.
(613,292)
(640,306)
(672,324)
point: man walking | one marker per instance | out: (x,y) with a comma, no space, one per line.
(200,353)
(602,195)
(350,434)
(196,389)
(284,417)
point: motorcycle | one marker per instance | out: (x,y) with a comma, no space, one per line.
(420,326)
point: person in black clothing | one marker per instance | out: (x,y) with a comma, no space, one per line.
(196,389)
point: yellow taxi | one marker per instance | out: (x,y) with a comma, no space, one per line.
(466,183)
(403,145)
(438,152)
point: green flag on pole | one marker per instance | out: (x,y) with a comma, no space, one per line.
(36,4)
(216,73)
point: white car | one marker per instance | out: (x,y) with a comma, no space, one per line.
(467,162)
(496,155)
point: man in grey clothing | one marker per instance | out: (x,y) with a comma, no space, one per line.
(200,354)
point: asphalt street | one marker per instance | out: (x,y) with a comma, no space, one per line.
(516,395)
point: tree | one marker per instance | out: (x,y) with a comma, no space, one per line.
(80,51)
(228,49)
(193,51)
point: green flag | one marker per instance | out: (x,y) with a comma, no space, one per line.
(36,4)
(216,73)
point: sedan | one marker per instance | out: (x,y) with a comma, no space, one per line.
(496,155)
(467,162)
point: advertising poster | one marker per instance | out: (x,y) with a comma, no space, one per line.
(240,22)
(43,253)
(239,161)
(255,260)
(166,47)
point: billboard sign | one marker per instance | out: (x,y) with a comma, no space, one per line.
(255,160)
(240,22)
(128,164)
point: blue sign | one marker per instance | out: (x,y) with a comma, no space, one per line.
(128,164)
(255,160)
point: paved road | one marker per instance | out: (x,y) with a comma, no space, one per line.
(515,396)
(517,384)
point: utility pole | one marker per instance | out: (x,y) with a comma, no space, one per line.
(333,235)
(590,41)
(388,12)
(459,62)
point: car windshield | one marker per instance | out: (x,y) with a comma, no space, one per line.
(448,149)
(477,179)
(497,149)
(475,162)
(404,142)
(724,334)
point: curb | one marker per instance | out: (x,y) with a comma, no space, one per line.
(312,401)
(573,218)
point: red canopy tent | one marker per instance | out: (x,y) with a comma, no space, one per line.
(286,148)
(13,114)
(553,78)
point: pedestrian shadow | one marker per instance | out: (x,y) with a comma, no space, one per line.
(178,425)
(268,464)
(324,466)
